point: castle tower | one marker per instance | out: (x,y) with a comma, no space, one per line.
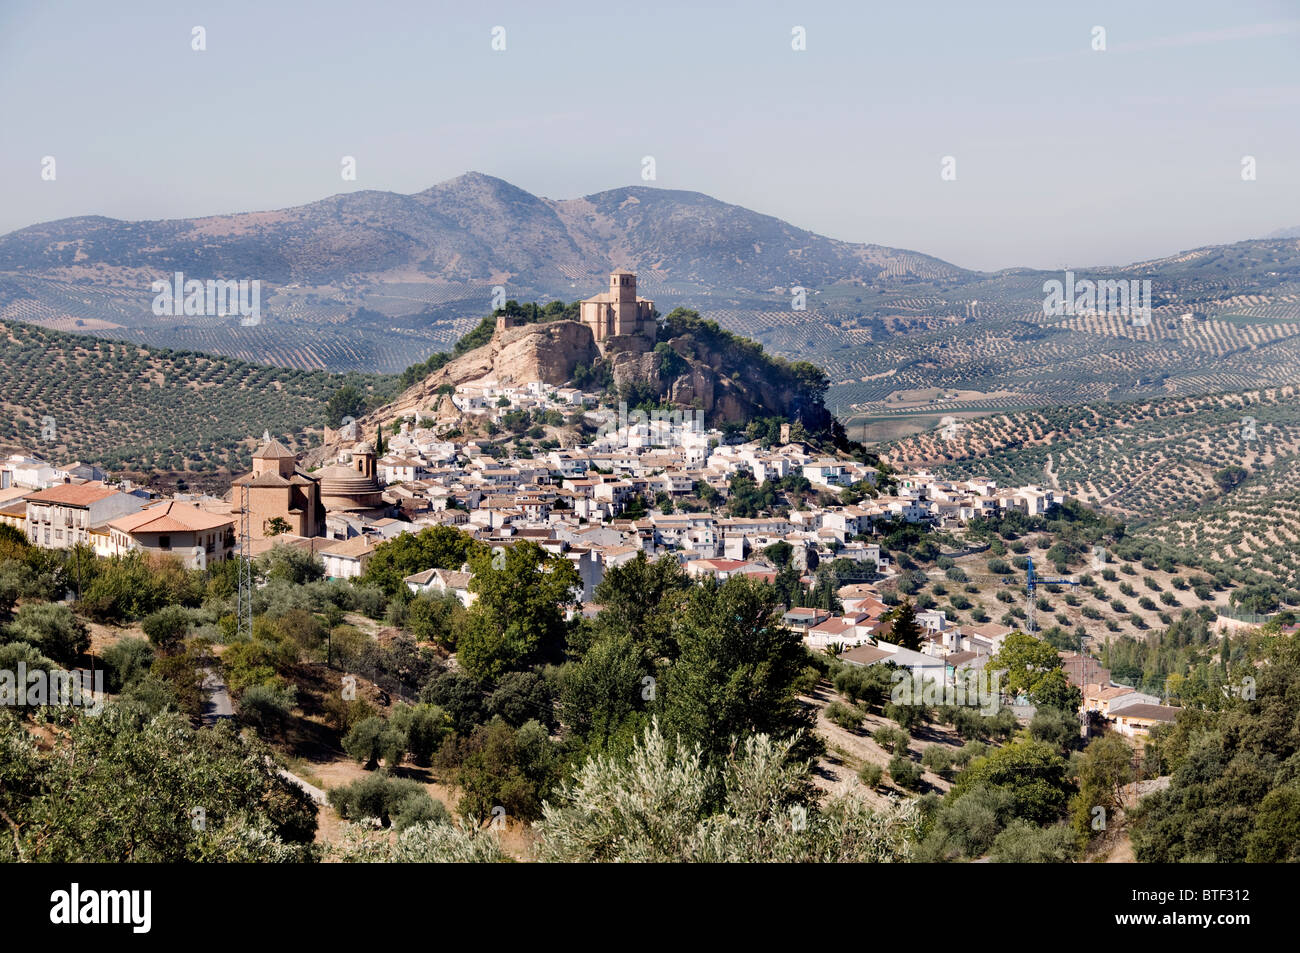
(619,313)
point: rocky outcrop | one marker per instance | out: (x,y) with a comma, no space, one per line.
(548,351)
(726,386)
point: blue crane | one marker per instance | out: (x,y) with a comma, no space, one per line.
(1032,582)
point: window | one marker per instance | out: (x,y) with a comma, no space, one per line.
(164,542)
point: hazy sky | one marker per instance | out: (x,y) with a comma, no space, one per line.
(1064,155)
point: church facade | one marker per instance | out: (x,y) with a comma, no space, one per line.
(619,317)
(279,494)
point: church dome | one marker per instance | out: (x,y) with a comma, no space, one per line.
(343,488)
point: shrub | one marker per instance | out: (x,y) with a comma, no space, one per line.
(166,627)
(51,629)
(938,759)
(522,696)
(459,696)
(373,739)
(424,727)
(1025,843)
(846,716)
(969,752)
(908,716)
(396,802)
(891,738)
(905,772)
(267,708)
(370,601)
(126,663)
(870,774)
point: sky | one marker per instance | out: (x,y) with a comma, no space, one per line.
(1064,155)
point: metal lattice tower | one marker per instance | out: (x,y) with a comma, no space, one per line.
(244,606)
(1032,583)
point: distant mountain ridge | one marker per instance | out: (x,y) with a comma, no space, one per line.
(471,228)
(377,281)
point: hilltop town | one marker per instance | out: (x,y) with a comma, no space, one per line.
(468,561)
(658,483)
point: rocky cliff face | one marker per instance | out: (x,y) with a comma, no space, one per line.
(546,352)
(695,375)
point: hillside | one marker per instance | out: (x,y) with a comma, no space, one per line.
(1213,477)
(134,409)
(695,365)
(374,281)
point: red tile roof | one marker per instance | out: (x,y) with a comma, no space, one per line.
(69,494)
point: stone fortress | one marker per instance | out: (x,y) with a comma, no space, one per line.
(618,318)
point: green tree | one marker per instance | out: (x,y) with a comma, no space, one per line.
(167,627)
(604,697)
(436,617)
(1030,771)
(518,618)
(347,401)
(1275,836)
(737,670)
(642,598)
(1103,769)
(500,767)
(905,631)
(656,806)
(435,547)
(126,787)
(52,629)
(1033,668)
(374,739)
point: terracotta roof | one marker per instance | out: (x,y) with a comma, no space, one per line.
(310,544)
(454,579)
(356,546)
(170,517)
(73,494)
(833,626)
(274,450)
(865,655)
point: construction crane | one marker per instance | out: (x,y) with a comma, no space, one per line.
(1032,582)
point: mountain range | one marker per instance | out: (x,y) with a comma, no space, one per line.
(376,281)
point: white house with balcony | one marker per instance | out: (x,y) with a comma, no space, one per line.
(62,516)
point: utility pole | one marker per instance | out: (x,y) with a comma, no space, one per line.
(244,604)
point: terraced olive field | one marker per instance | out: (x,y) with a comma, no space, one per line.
(135,409)
(1212,477)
